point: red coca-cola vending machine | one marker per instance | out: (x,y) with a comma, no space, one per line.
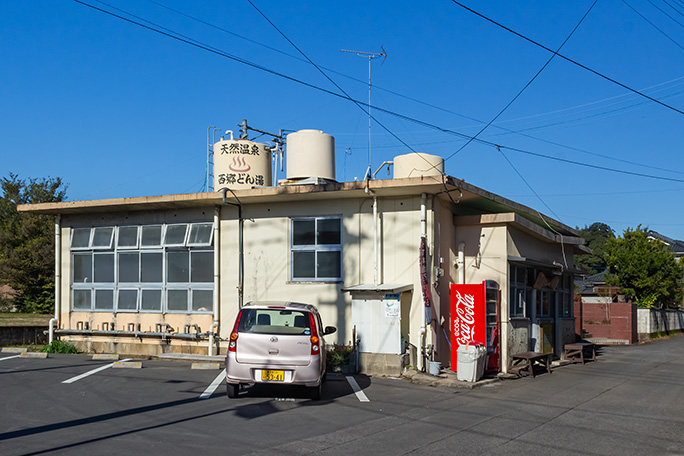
(475,319)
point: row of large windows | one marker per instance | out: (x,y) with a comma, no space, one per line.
(147,268)
(537,293)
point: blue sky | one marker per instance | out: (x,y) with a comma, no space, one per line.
(117,110)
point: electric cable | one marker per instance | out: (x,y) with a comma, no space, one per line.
(568,59)
(653,25)
(395,114)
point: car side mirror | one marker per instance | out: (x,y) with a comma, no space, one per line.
(329,330)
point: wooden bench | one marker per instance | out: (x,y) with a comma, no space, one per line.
(523,363)
(575,353)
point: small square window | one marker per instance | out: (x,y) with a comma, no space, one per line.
(104,299)
(128,237)
(151,236)
(200,233)
(80,238)
(102,237)
(175,234)
(128,300)
(177,300)
(202,300)
(151,300)
(82,300)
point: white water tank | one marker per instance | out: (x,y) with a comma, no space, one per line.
(310,153)
(241,163)
(417,165)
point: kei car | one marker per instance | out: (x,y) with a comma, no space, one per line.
(277,343)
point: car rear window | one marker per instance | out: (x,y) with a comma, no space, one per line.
(275,321)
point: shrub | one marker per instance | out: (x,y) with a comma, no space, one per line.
(338,356)
(58,346)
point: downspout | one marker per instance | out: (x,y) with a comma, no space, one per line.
(461,263)
(241,252)
(424,279)
(376,249)
(58,277)
(217,255)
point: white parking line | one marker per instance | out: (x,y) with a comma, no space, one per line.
(9,357)
(215,384)
(94,371)
(357,390)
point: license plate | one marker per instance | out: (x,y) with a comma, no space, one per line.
(273,375)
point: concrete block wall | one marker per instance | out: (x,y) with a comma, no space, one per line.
(652,322)
(610,323)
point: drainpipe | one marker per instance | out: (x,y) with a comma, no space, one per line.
(216,301)
(241,252)
(58,275)
(376,250)
(461,263)
(423,242)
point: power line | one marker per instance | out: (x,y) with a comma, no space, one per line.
(555,53)
(218,52)
(653,25)
(507,130)
(568,59)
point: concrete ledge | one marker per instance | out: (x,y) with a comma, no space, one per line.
(105,357)
(13,350)
(40,355)
(445,379)
(127,365)
(206,366)
(192,357)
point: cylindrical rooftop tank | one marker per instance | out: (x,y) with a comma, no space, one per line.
(418,164)
(241,163)
(310,153)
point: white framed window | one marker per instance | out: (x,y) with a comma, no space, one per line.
(316,249)
(146,268)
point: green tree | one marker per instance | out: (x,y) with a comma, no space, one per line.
(645,269)
(27,242)
(596,236)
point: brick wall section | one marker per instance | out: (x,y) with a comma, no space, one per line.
(612,321)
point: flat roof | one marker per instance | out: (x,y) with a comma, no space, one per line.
(468,199)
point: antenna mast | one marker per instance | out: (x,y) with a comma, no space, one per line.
(370,56)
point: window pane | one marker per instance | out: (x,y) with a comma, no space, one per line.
(202,300)
(103,237)
(128,300)
(81,300)
(151,267)
(83,267)
(303,232)
(177,300)
(104,268)
(104,299)
(151,236)
(329,231)
(329,265)
(202,267)
(177,266)
(200,233)
(80,237)
(151,300)
(175,234)
(128,236)
(303,265)
(128,267)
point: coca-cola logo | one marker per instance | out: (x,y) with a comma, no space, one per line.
(464,324)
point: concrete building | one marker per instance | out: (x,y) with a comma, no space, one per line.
(158,274)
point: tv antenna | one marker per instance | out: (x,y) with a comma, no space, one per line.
(370,56)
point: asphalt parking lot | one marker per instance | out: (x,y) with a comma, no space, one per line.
(73,403)
(626,402)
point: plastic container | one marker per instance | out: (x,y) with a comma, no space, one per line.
(470,362)
(435,367)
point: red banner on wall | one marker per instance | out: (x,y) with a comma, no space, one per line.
(468,322)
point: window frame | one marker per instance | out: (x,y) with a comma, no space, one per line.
(315,248)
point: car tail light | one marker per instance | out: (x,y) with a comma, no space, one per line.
(232,344)
(315,340)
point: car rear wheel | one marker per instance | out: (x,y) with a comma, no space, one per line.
(315,392)
(232,390)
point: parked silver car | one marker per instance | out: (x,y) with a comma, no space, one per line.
(277,342)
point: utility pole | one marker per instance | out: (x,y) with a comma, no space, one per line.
(370,56)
